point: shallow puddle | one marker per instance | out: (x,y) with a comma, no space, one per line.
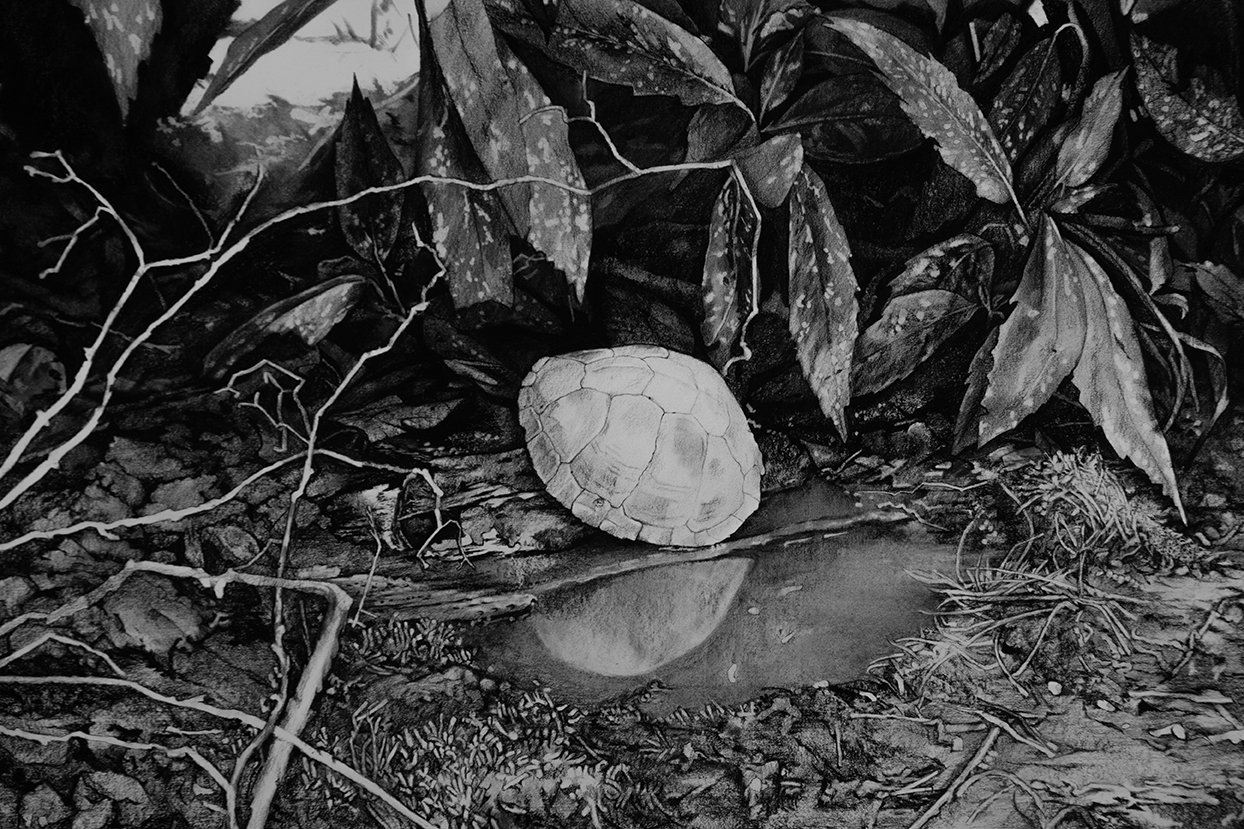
(789,614)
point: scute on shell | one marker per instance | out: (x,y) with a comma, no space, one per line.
(642,442)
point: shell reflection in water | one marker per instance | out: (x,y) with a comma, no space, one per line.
(633,624)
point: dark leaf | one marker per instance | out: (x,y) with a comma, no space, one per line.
(1197,120)
(1111,378)
(718,130)
(850,119)
(1219,388)
(783,71)
(933,100)
(1001,39)
(823,307)
(260,38)
(364,159)
(754,23)
(621,42)
(770,169)
(467,357)
(1023,105)
(483,95)
(730,284)
(967,424)
(911,327)
(962,264)
(544,13)
(123,30)
(1085,148)
(1224,291)
(470,229)
(1040,343)
(561,219)
(308,315)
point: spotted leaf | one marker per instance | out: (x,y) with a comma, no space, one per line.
(931,97)
(123,30)
(483,95)
(470,228)
(823,308)
(961,264)
(729,286)
(770,168)
(364,159)
(1022,106)
(781,75)
(1111,378)
(309,316)
(621,42)
(1041,341)
(911,328)
(1197,120)
(1085,147)
(561,219)
(753,23)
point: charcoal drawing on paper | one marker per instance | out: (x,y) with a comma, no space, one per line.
(731,414)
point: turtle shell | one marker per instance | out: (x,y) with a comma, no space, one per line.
(642,442)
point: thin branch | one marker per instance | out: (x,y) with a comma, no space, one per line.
(108,529)
(171,751)
(50,636)
(73,239)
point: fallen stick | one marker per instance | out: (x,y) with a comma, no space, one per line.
(963,775)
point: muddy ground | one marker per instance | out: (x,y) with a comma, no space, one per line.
(1085,668)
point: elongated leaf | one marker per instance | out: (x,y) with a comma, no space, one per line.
(770,169)
(470,228)
(483,95)
(1001,38)
(823,308)
(1112,382)
(754,22)
(1085,148)
(1224,289)
(260,38)
(730,285)
(781,75)
(933,100)
(1022,106)
(967,424)
(543,12)
(911,327)
(466,356)
(850,119)
(561,220)
(1042,339)
(123,30)
(962,264)
(1198,121)
(364,159)
(309,315)
(621,42)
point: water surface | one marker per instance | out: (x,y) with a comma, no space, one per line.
(789,614)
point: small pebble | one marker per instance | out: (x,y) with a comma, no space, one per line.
(1055,688)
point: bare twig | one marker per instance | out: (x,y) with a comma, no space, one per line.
(108,529)
(49,636)
(960,778)
(171,751)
